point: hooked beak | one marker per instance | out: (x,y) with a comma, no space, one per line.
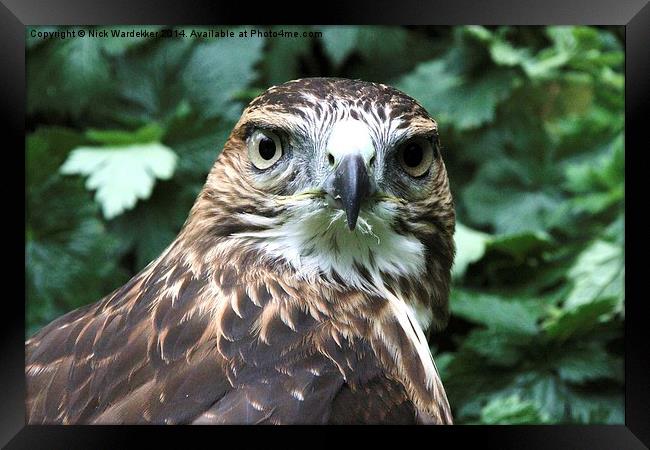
(349,186)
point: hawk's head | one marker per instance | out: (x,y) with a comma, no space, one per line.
(342,181)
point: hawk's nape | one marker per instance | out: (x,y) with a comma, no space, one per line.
(298,291)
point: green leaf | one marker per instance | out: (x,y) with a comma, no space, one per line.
(150,81)
(545,391)
(606,171)
(121,175)
(282,57)
(581,319)
(375,48)
(469,382)
(588,363)
(505,194)
(68,76)
(573,47)
(144,135)
(510,210)
(339,42)
(454,99)
(522,244)
(597,273)
(598,182)
(567,404)
(497,347)
(505,54)
(493,312)
(470,247)
(67,272)
(70,258)
(380,43)
(47,149)
(198,143)
(601,406)
(512,411)
(615,232)
(150,227)
(478,32)
(585,134)
(212,80)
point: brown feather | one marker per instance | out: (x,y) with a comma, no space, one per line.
(214,332)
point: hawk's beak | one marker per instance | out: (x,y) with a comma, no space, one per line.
(349,186)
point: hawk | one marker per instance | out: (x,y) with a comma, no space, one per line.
(299,290)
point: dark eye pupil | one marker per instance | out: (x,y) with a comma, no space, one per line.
(267,148)
(413,155)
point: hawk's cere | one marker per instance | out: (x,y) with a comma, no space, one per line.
(298,291)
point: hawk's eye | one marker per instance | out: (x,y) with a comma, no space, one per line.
(264,149)
(415,157)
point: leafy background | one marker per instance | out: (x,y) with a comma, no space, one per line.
(122,133)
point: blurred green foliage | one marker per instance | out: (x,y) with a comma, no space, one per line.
(122,133)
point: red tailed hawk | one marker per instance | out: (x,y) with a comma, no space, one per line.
(298,291)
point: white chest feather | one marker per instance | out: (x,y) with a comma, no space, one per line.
(316,241)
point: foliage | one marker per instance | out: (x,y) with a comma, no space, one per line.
(531,122)
(123,169)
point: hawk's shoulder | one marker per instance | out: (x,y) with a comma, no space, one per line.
(217,346)
(134,357)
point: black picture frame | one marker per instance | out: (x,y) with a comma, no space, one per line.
(15,15)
